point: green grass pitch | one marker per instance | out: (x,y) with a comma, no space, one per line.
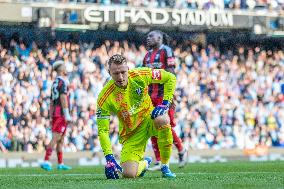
(231,175)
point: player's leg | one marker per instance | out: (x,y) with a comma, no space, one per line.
(130,169)
(59,149)
(133,164)
(133,169)
(157,164)
(61,130)
(165,141)
(154,141)
(132,154)
(182,152)
(46,165)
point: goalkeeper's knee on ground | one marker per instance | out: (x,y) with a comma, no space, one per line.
(161,121)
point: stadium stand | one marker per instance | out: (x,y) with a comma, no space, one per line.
(230,98)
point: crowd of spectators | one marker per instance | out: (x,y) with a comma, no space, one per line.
(231,99)
(185,4)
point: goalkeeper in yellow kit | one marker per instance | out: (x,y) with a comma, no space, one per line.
(126,95)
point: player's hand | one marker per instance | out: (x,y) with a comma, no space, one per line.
(112,168)
(67,116)
(161,109)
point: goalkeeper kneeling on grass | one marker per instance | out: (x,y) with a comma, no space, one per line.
(126,95)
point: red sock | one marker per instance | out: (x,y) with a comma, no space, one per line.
(156,148)
(48,153)
(60,157)
(177,141)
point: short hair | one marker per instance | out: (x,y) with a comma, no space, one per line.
(116,59)
(57,64)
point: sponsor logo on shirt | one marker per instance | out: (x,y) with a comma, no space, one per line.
(155,65)
(119,97)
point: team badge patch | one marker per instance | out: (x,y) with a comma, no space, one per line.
(156,74)
(138,91)
(171,61)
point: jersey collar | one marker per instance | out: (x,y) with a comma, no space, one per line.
(162,46)
(65,80)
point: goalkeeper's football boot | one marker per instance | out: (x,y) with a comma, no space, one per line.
(46,166)
(149,161)
(166,172)
(63,167)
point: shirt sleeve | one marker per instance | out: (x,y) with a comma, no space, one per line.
(161,76)
(62,87)
(103,119)
(170,60)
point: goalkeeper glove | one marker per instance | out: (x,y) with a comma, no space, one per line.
(160,109)
(112,168)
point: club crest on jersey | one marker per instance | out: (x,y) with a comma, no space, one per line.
(139,91)
(156,74)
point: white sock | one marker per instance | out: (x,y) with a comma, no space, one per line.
(168,165)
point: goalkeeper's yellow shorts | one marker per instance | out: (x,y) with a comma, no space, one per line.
(134,147)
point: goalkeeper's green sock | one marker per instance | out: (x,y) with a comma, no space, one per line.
(165,141)
(142,165)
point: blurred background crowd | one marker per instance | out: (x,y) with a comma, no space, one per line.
(185,4)
(224,99)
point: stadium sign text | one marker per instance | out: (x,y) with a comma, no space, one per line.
(173,17)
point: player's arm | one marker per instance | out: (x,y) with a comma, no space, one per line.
(170,67)
(103,119)
(112,167)
(170,61)
(164,77)
(64,102)
(64,105)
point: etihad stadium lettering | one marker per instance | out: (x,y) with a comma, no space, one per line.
(214,18)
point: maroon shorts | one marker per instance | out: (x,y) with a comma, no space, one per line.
(171,112)
(59,125)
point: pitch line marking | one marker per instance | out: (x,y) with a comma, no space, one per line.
(101,174)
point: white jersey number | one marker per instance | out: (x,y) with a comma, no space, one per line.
(55,92)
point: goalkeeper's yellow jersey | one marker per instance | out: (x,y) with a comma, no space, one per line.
(132,105)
